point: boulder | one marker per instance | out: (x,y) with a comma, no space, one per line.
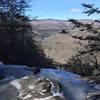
(31,88)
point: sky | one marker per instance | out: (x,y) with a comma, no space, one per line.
(60,9)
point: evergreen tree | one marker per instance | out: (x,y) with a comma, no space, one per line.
(91,51)
(17,44)
(12,9)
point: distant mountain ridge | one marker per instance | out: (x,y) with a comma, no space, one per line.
(47,27)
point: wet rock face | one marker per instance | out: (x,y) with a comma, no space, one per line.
(12,72)
(15,71)
(31,88)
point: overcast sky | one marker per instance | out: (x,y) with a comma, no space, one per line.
(60,9)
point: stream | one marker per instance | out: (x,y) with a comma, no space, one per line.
(74,87)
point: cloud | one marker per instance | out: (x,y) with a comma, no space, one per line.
(75,10)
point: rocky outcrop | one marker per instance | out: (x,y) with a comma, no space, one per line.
(21,83)
(31,88)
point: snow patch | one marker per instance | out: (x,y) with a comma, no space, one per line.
(43,90)
(27,96)
(26,77)
(16,84)
(31,87)
(46,98)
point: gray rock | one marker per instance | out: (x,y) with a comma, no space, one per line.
(31,88)
(8,92)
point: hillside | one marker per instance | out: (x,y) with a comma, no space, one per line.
(60,46)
